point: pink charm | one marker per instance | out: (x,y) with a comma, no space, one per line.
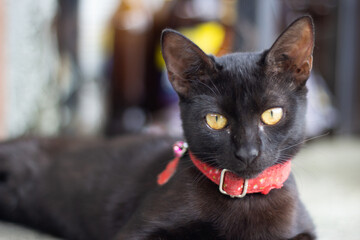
(180,148)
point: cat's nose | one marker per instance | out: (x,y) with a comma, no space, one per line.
(247,154)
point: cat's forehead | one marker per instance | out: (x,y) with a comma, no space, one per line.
(241,64)
(242,70)
(243,79)
(249,70)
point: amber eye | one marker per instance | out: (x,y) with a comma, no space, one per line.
(216,121)
(272,116)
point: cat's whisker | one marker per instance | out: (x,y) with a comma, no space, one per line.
(304,141)
(204,84)
(282,161)
(216,88)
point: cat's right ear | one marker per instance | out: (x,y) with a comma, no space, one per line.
(186,63)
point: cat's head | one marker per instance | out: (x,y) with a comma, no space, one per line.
(243,111)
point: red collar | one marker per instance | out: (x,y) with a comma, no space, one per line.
(229,183)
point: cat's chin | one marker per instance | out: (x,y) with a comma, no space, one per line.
(248,173)
(244,171)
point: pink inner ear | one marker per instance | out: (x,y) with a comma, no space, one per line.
(292,51)
(301,50)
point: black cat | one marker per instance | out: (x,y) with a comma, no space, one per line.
(243,118)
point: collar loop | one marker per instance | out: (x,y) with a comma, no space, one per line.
(221,185)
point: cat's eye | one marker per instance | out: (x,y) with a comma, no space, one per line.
(216,121)
(272,116)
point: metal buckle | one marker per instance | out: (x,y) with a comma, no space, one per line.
(222,176)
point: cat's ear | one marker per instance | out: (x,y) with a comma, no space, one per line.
(293,50)
(186,63)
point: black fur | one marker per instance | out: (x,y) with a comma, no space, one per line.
(107,189)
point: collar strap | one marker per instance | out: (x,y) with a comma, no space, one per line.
(234,186)
(229,183)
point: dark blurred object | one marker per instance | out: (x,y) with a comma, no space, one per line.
(132,24)
(347,66)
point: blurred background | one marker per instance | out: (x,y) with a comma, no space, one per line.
(76,67)
(94,68)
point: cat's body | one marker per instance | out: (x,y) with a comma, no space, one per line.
(86,182)
(90,195)
(108,189)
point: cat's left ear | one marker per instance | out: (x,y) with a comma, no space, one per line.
(186,63)
(293,50)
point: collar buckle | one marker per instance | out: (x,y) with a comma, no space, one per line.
(221,184)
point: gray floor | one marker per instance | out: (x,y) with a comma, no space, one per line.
(10,231)
(328,176)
